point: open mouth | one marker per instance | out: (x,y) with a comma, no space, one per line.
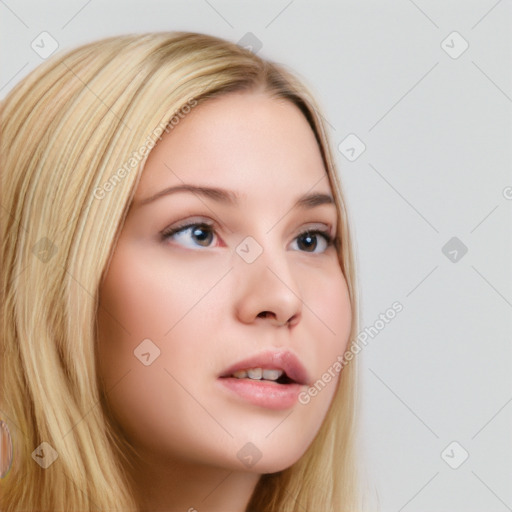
(261,375)
(270,379)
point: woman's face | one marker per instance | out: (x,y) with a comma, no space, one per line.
(203,279)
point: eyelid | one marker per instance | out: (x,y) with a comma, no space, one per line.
(323,227)
(187,223)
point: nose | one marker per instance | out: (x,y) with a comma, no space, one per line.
(267,291)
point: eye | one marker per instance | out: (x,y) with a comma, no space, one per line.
(201,234)
(198,234)
(314,238)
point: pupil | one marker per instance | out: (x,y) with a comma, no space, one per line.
(201,234)
(310,239)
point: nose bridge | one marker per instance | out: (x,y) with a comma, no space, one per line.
(266,280)
(267,258)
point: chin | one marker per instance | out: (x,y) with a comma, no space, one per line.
(274,465)
(268,460)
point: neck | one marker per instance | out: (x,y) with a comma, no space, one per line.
(188,487)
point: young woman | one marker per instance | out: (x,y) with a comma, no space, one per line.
(178,286)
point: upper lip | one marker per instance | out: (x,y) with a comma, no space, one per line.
(270,359)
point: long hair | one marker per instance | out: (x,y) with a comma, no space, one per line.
(68,129)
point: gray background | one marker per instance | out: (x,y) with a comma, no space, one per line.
(437,165)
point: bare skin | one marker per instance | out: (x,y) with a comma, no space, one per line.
(206,308)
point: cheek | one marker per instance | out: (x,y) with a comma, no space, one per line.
(330,310)
(145,294)
(136,299)
(151,298)
(166,304)
(327,301)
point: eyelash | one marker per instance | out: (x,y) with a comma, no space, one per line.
(168,233)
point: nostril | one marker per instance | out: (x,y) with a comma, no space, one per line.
(265,314)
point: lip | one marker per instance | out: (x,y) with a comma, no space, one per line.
(281,360)
(267,394)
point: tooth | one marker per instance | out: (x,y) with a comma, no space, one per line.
(255,373)
(240,374)
(272,374)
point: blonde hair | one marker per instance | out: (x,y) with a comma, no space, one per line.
(65,129)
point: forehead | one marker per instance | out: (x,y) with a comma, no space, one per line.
(247,142)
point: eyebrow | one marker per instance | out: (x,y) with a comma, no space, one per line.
(229,197)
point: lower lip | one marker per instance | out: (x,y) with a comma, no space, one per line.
(264,393)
